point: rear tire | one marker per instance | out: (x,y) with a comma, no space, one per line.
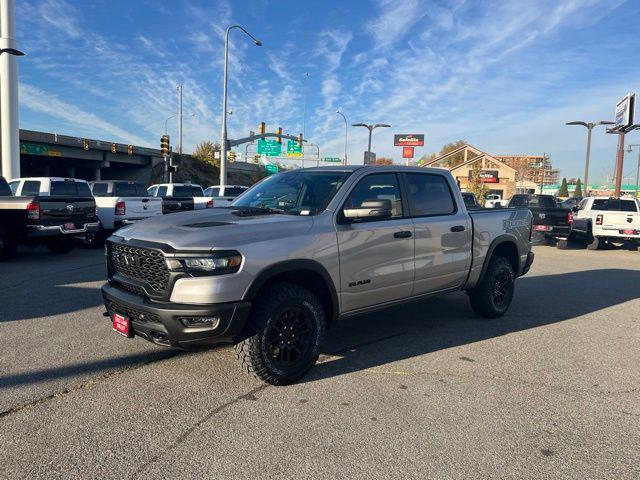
(282,338)
(8,247)
(60,246)
(492,296)
(562,244)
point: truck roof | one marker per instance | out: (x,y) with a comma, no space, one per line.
(376,168)
(52,179)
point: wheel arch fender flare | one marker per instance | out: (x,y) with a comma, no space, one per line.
(503,239)
(292,267)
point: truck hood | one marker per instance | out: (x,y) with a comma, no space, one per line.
(216,228)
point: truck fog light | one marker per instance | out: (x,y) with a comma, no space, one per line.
(212,322)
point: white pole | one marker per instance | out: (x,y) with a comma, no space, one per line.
(223,135)
(9,126)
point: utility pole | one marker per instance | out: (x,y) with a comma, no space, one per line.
(9,124)
(371,128)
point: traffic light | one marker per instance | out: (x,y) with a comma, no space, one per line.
(262,128)
(113,148)
(256,158)
(231,156)
(129,149)
(85,144)
(164,145)
(279,137)
(300,139)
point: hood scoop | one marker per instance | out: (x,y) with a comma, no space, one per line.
(207,224)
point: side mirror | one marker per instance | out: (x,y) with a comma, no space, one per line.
(369,210)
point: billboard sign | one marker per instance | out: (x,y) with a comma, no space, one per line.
(294,149)
(409,140)
(407,152)
(486,176)
(624,111)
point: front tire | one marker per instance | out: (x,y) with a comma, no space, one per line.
(282,338)
(492,296)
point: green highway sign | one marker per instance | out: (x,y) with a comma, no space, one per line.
(34,149)
(332,159)
(271,168)
(270,148)
(293,149)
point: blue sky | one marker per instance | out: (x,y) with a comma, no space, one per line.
(503,75)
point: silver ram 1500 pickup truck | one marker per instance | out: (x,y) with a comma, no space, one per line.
(274,270)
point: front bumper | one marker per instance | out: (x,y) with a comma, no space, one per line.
(37,231)
(160,322)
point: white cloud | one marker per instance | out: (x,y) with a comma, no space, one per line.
(395,20)
(40,101)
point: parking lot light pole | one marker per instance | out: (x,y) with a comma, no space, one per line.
(371,128)
(629,149)
(223,142)
(346,125)
(590,126)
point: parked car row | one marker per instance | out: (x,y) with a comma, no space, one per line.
(591,221)
(56,211)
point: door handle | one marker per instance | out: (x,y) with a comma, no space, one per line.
(458,228)
(403,234)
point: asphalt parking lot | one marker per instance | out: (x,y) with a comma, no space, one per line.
(427,390)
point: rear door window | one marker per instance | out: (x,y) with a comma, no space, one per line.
(429,195)
(30,187)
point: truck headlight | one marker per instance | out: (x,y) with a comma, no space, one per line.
(217,263)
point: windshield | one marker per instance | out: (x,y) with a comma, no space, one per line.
(296,193)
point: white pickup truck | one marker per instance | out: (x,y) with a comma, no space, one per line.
(120,203)
(178,192)
(602,219)
(494,201)
(226,194)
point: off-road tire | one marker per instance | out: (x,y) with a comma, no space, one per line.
(8,247)
(256,354)
(60,246)
(484,297)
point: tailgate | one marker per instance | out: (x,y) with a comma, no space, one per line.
(553,217)
(621,220)
(142,207)
(171,205)
(60,210)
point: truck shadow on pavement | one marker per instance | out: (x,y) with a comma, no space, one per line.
(38,284)
(419,328)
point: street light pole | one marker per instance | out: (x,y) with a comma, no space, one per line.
(9,125)
(345,135)
(371,128)
(223,142)
(590,126)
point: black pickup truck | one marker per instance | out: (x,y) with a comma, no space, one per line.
(550,221)
(53,221)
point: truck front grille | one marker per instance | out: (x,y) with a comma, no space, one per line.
(140,264)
